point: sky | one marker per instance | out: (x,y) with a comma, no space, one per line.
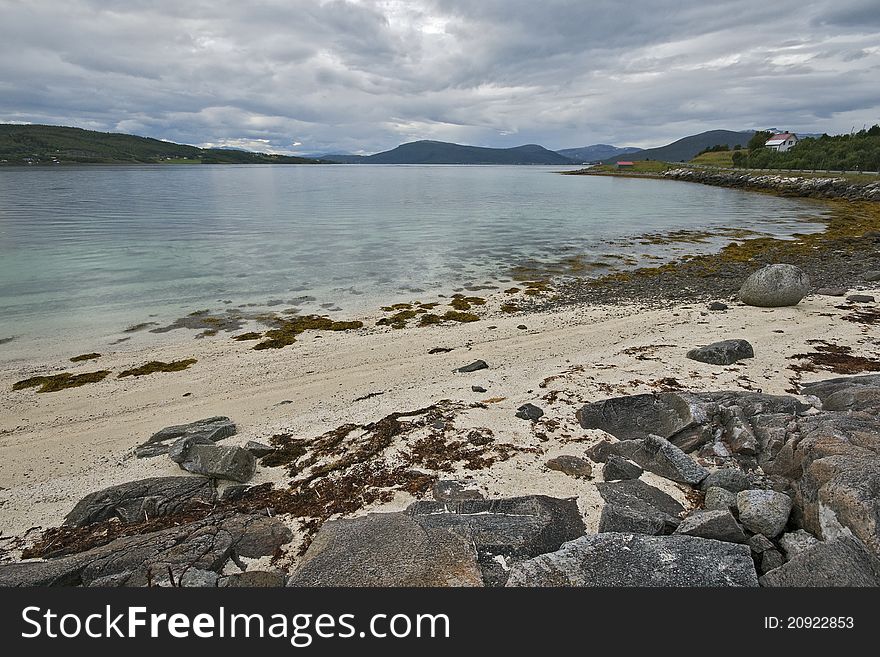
(360,76)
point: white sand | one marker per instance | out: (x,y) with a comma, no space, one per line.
(57,447)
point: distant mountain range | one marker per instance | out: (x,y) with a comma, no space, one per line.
(596,152)
(441,152)
(686,149)
(47,144)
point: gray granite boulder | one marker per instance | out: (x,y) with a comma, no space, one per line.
(658,455)
(843,561)
(619,468)
(212,429)
(774,286)
(143,500)
(259,450)
(505,531)
(387,549)
(254,579)
(726,352)
(728,478)
(141,559)
(617,559)
(476,366)
(633,506)
(793,543)
(233,463)
(638,416)
(763,511)
(719,499)
(529,412)
(719,525)
(456,490)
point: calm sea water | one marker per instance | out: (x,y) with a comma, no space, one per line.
(91,250)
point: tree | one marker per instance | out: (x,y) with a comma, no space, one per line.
(758,140)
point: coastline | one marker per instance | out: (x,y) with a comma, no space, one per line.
(620,334)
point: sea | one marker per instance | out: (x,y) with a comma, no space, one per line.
(88,251)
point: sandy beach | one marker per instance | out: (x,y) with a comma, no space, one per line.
(57,447)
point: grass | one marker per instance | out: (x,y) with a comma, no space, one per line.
(639,167)
(718,158)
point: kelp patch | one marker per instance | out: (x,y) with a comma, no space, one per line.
(62,381)
(286,330)
(82,357)
(158,366)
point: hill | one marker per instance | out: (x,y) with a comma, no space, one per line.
(439,152)
(596,152)
(859,151)
(341,158)
(48,144)
(687,148)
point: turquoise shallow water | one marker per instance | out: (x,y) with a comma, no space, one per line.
(91,250)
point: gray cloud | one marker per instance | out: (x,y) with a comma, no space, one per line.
(309,76)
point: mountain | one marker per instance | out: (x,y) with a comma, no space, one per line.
(439,152)
(687,148)
(341,158)
(596,152)
(48,144)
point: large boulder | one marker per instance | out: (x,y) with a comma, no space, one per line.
(143,559)
(233,463)
(617,559)
(573,466)
(617,467)
(763,511)
(728,478)
(719,525)
(634,417)
(726,352)
(719,499)
(505,531)
(658,455)
(793,543)
(775,285)
(143,500)
(632,506)
(843,561)
(387,549)
(210,429)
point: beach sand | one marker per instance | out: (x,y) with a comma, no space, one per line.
(57,447)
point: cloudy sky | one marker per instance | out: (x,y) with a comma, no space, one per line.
(310,76)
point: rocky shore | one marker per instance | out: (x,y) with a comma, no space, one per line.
(827,187)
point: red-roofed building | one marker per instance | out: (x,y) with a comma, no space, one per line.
(782,142)
(625,165)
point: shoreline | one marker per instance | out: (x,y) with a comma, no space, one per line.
(558,353)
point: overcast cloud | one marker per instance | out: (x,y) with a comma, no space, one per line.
(301,76)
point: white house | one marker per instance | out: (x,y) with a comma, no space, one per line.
(782,142)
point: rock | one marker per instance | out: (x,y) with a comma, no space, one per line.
(478,389)
(793,543)
(831,291)
(719,499)
(860,298)
(600,452)
(144,499)
(474,367)
(254,579)
(619,468)
(505,531)
(843,561)
(873,275)
(763,511)
(259,450)
(775,285)
(719,525)
(141,559)
(617,559)
(658,455)
(635,507)
(529,412)
(848,497)
(770,559)
(233,463)
(637,416)
(826,388)
(717,305)
(211,429)
(386,549)
(573,466)
(725,352)
(190,578)
(454,490)
(728,478)
(180,447)
(856,398)
(760,544)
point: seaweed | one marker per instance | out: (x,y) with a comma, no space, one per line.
(509,308)
(398,320)
(461,302)
(287,329)
(56,382)
(134,328)
(158,366)
(253,335)
(837,358)
(82,357)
